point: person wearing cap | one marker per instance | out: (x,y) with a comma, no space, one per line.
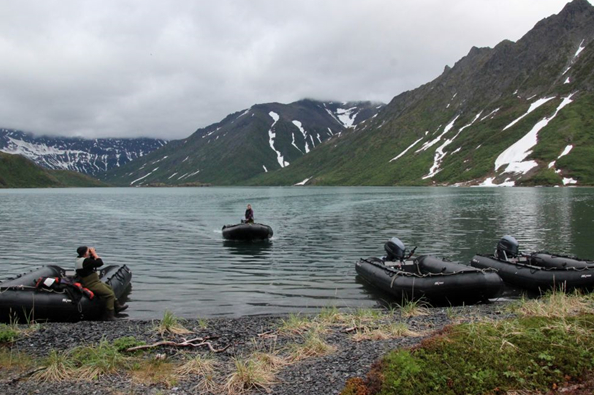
(249,215)
(87,263)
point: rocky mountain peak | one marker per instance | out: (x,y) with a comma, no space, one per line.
(575,17)
(576,7)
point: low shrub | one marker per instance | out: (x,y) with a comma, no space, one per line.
(524,354)
(8,333)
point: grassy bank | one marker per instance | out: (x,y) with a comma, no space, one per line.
(548,345)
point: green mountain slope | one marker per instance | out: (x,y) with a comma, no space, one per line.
(18,172)
(245,144)
(517,114)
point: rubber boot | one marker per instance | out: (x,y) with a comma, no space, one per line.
(109,315)
(119,307)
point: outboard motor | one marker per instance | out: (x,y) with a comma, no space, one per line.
(508,247)
(395,249)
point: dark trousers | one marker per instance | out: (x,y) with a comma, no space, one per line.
(100,289)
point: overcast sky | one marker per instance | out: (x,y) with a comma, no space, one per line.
(166,68)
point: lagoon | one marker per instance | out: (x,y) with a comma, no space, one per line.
(171,238)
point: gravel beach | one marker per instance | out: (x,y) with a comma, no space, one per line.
(240,338)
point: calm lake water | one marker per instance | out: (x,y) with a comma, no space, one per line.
(171,238)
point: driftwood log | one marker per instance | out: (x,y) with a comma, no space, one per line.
(196,342)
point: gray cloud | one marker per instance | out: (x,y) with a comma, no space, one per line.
(163,69)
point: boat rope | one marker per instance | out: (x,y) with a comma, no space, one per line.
(394,272)
(15,288)
(540,268)
(573,257)
(27,287)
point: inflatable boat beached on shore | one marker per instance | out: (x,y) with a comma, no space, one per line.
(538,271)
(427,277)
(50,294)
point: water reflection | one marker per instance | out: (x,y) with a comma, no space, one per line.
(248,248)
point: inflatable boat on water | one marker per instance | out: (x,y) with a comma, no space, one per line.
(538,271)
(51,294)
(247,231)
(427,277)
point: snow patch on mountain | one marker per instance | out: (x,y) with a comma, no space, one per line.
(431,143)
(489,115)
(304,133)
(303,182)
(580,49)
(406,150)
(514,155)
(533,107)
(271,136)
(143,177)
(347,116)
(566,151)
(293,142)
(440,151)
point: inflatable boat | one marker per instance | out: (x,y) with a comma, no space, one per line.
(247,231)
(538,271)
(428,278)
(51,294)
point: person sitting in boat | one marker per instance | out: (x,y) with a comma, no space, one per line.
(87,263)
(249,215)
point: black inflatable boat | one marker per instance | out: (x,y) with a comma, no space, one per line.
(247,231)
(49,294)
(428,278)
(538,271)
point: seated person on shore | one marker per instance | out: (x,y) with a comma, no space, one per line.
(87,263)
(249,215)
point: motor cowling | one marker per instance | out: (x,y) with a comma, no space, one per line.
(395,249)
(508,247)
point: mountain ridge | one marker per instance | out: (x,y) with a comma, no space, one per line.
(87,156)
(476,99)
(246,143)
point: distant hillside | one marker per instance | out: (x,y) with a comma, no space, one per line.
(517,114)
(17,171)
(245,144)
(93,157)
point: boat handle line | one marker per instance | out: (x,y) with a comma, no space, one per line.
(392,272)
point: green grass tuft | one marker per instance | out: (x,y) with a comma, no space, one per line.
(171,324)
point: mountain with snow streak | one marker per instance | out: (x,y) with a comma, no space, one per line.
(258,140)
(91,157)
(516,114)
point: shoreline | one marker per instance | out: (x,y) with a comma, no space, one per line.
(241,338)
